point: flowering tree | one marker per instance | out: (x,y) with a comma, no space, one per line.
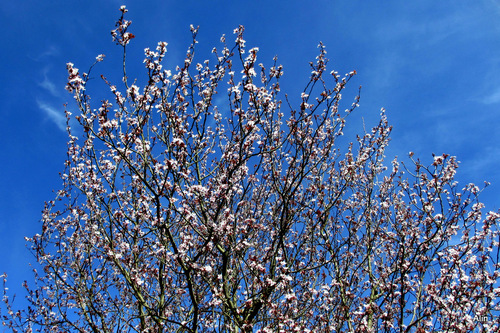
(180,215)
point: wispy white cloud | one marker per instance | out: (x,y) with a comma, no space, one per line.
(49,52)
(54,114)
(492,98)
(50,87)
(436,24)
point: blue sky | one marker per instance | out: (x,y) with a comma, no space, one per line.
(433,65)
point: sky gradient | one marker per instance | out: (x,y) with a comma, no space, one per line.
(434,67)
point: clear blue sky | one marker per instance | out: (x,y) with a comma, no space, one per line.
(434,66)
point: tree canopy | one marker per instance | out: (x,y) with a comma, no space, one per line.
(179,213)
